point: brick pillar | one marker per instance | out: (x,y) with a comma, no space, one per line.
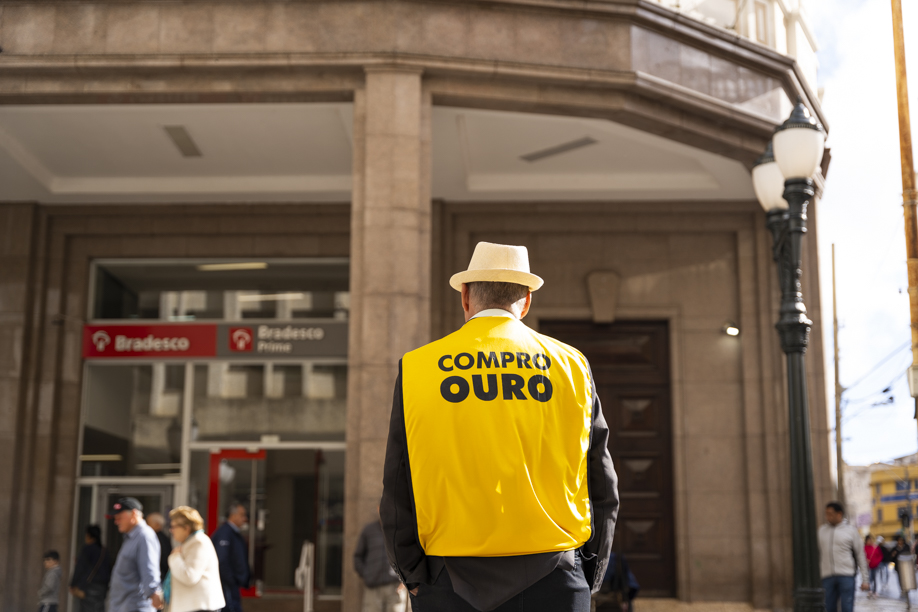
(390,278)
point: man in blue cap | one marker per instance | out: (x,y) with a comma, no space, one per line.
(135,585)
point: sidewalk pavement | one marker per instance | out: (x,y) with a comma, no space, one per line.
(882,603)
(889,599)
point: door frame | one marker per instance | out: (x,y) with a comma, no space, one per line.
(217,455)
(102,487)
(673,315)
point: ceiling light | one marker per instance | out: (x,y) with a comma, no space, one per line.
(730,329)
(242,265)
(182,140)
(269,297)
(559,149)
(101,458)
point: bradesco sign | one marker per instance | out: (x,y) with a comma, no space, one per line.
(225,340)
(149,340)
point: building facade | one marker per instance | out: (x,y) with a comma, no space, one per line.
(858,496)
(893,493)
(223,223)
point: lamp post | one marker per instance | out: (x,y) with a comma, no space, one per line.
(783,183)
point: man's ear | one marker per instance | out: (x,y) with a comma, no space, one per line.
(466,303)
(526,305)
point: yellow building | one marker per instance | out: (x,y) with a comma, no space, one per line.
(892,487)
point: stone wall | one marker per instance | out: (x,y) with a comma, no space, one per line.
(697,266)
(45,254)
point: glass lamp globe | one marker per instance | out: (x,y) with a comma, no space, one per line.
(768,182)
(799,143)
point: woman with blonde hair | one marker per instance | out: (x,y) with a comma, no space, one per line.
(194,573)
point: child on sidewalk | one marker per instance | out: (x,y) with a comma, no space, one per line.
(49,592)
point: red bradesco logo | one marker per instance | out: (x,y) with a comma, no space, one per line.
(240,339)
(149,341)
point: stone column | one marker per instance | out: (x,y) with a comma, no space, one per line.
(390,278)
(20,493)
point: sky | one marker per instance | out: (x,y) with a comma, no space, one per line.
(861,213)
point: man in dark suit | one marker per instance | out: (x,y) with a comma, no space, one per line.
(498,487)
(156,522)
(232,555)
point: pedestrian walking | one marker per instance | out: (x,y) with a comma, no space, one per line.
(156,521)
(135,585)
(841,554)
(619,587)
(91,573)
(193,581)
(382,590)
(232,556)
(50,590)
(884,566)
(874,555)
(900,548)
(498,487)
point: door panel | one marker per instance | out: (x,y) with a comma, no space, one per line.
(153,498)
(630,364)
(292,496)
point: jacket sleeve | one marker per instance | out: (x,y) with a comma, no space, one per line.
(80,573)
(396,509)
(189,564)
(859,554)
(603,484)
(222,555)
(360,553)
(240,561)
(165,549)
(148,564)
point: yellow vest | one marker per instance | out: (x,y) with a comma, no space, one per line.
(498,422)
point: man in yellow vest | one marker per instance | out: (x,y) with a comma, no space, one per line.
(498,488)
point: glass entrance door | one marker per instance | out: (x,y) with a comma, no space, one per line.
(237,476)
(154,498)
(293,495)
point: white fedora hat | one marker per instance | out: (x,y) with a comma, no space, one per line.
(497,263)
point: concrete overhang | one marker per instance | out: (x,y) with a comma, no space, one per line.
(626,65)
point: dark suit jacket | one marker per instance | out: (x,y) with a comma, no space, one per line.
(497,578)
(89,564)
(234,564)
(165,549)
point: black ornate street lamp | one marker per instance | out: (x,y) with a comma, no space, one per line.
(783,183)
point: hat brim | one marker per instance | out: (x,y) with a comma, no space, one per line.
(496,276)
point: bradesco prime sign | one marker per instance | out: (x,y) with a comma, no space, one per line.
(326,339)
(224,340)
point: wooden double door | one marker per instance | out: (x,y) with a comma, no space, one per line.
(630,363)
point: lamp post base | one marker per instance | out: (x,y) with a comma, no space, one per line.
(809,600)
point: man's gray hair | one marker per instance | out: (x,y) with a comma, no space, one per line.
(496,295)
(156,517)
(234,507)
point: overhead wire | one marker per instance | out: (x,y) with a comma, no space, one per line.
(847,418)
(880,363)
(870,396)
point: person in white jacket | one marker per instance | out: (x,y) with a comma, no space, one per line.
(841,553)
(194,572)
